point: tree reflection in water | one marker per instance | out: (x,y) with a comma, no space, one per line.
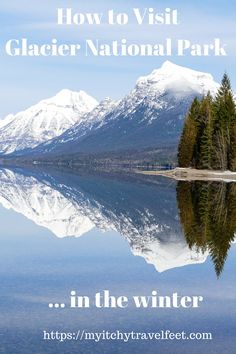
(208,217)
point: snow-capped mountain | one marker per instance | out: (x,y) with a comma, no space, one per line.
(44,121)
(177,81)
(8,119)
(78,130)
(151,115)
(70,205)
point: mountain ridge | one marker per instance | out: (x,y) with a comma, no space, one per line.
(44,120)
(150,116)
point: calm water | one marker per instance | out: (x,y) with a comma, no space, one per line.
(87,232)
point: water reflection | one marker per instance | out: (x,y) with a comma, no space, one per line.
(142,209)
(208,216)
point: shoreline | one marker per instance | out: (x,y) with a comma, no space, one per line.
(191,174)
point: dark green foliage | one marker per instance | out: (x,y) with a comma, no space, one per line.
(208,140)
(188,138)
(232,156)
(204,142)
(224,118)
(208,217)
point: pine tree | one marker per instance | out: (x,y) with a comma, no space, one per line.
(205,134)
(232,156)
(208,140)
(188,138)
(224,118)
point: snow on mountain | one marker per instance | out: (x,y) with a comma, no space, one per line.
(178,81)
(44,121)
(81,128)
(165,87)
(8,119)
(151,115)
(164,90)
(67,209)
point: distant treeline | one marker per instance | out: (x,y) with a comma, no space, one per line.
(208,140)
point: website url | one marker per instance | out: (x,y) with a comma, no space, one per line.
(117,335)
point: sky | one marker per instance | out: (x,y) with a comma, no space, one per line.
(26,80)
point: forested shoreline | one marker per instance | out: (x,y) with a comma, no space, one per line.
(208,140)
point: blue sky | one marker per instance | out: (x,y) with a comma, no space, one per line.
(25,81)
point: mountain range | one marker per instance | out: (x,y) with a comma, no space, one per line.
(151,116)
(44,121)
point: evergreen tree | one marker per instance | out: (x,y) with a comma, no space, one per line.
(205,134)
(208,140)
(188,138)
(224,118)
(232,156)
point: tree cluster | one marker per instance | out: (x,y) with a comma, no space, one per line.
(208,140)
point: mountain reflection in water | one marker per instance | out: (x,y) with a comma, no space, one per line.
(167,231)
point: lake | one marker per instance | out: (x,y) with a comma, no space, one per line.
(87,231)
